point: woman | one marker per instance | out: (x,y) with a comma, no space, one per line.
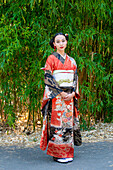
(60,116)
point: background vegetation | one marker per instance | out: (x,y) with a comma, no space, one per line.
(26,27)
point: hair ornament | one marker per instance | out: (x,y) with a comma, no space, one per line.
(54,48)
(66,34)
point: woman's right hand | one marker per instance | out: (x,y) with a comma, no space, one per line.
(63,94)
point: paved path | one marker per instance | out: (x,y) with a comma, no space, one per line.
(89,156)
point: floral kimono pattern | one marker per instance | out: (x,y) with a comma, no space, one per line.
(60,117)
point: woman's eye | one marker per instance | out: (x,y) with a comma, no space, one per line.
(57,41)
(63,40)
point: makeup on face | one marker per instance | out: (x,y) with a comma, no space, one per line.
(60,42)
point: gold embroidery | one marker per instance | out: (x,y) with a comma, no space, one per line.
(66,80)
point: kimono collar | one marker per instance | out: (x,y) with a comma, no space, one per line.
(60,57)
(64,56)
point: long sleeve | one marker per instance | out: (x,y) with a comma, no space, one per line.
(76,87)
(52,88)
(51,85)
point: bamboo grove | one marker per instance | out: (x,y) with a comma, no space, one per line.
(26,27)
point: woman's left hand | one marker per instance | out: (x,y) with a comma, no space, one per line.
(68,97)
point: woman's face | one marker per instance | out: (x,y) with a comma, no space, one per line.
(60,42)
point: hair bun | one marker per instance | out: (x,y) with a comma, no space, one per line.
(51,43)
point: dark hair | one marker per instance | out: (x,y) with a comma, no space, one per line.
(53,39)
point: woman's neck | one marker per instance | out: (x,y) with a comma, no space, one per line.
(61,52)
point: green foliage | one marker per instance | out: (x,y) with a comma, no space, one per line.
(26,27)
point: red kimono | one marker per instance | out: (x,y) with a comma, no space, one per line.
(60,118)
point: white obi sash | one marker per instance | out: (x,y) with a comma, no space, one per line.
(64,77)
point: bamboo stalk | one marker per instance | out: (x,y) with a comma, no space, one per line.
(33,120)
(15,101)
(29,116)
(1,109)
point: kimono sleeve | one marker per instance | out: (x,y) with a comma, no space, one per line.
(75,81)
(50,63)
(76,85)
(51,86)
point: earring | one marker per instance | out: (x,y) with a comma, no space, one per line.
(54,48)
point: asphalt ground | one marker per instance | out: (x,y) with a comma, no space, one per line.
(89,156)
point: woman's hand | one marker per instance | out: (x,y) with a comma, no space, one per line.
(63,94)
(67,96)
